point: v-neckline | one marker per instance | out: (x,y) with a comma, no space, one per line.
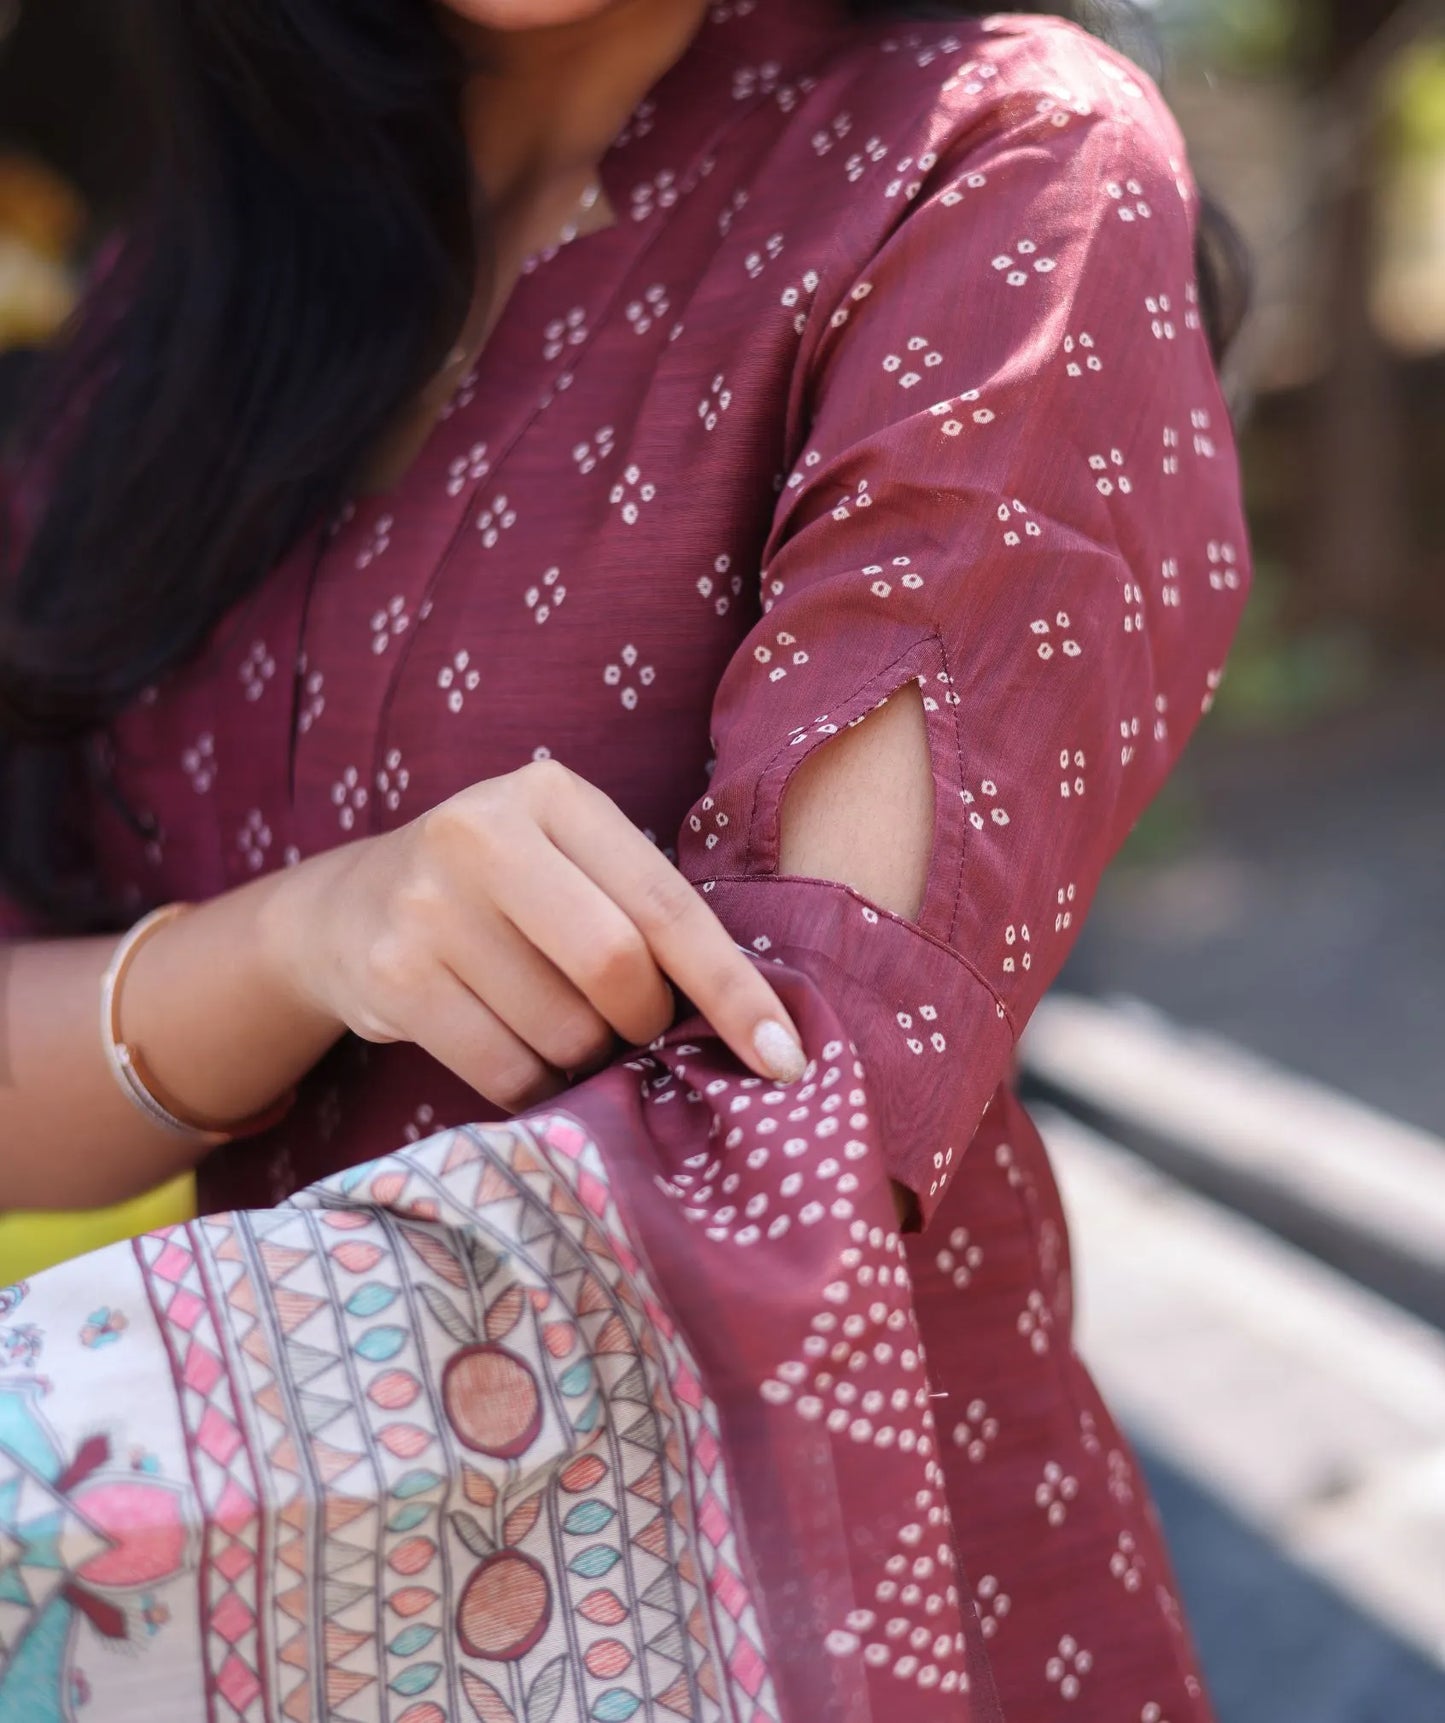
(658,153)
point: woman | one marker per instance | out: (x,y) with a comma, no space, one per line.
(516,435)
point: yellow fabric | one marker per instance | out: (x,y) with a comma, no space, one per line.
(31,1242)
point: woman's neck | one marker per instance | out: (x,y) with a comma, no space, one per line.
(544,105)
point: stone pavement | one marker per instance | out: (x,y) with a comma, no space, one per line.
(1304,915)
(1295,1426)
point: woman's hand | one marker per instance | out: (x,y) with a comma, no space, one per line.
(514,932)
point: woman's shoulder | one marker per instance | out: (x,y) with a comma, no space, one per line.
(941,87)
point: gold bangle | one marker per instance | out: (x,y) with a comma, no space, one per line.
(133,1075)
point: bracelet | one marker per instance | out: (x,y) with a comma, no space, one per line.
(131,1073)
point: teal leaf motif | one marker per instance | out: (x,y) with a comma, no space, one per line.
(371,1299)
(586,1419)
(354,1176)
(616,1705)
(412,1639)
(407,1519)
(589,1517)
(594,1561)
(547,1690)
(379,1344)
(418,1678)
(414,1483)
(577,1380)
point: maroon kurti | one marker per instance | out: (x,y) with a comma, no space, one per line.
(891,369)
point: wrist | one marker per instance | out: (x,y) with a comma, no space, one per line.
(291,917)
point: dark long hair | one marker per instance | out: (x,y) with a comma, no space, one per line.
(301,262)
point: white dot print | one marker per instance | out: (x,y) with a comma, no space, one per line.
(715,403)
(1111,476)
(257,669)
(976,1431)
(628,676)
(468,469)
(378,542)
(1080,354)
(994,1605)
(1067,1669)
(313,698)
(1072,760)
(1129,196)
(1126,1563)
(960,1259)
(1224,573)
(861,499)
(254,839)
(498,517)
(984,808)
(458,679)
(757,261)
(1064,897)
(1017,523)
(564,332)
(198,762)
(1023,263)
(920,1031)
(780,654)
(642,313)
(596,448)
(392,780)
(881,578)
(1054,1493)
(1036,1321)
(546,596)
(349,797)
(720,587)
(389,624)
(873,152)
(1160,308)
(631,494)
(655,194)
(1016,938)
(1054,632)
(909,367)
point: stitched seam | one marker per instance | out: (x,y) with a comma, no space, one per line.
(959,785)
(964,962)
(853,707)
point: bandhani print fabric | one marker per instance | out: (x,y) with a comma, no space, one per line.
(434,1441)
(889,379)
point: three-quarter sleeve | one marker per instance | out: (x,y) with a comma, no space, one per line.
(1015,485)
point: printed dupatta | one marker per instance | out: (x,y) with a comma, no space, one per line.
(504,1427)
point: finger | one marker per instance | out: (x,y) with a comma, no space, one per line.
(685,938)
(531,996)
(575,925)
(466,1036)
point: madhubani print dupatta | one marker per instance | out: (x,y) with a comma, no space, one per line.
(504,1428)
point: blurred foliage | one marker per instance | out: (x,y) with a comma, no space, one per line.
(1415,99)
(1250,36)
(1282,677)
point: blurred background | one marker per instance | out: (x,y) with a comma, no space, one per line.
(1242,1073)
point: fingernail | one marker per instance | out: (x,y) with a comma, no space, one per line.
(780,1050)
